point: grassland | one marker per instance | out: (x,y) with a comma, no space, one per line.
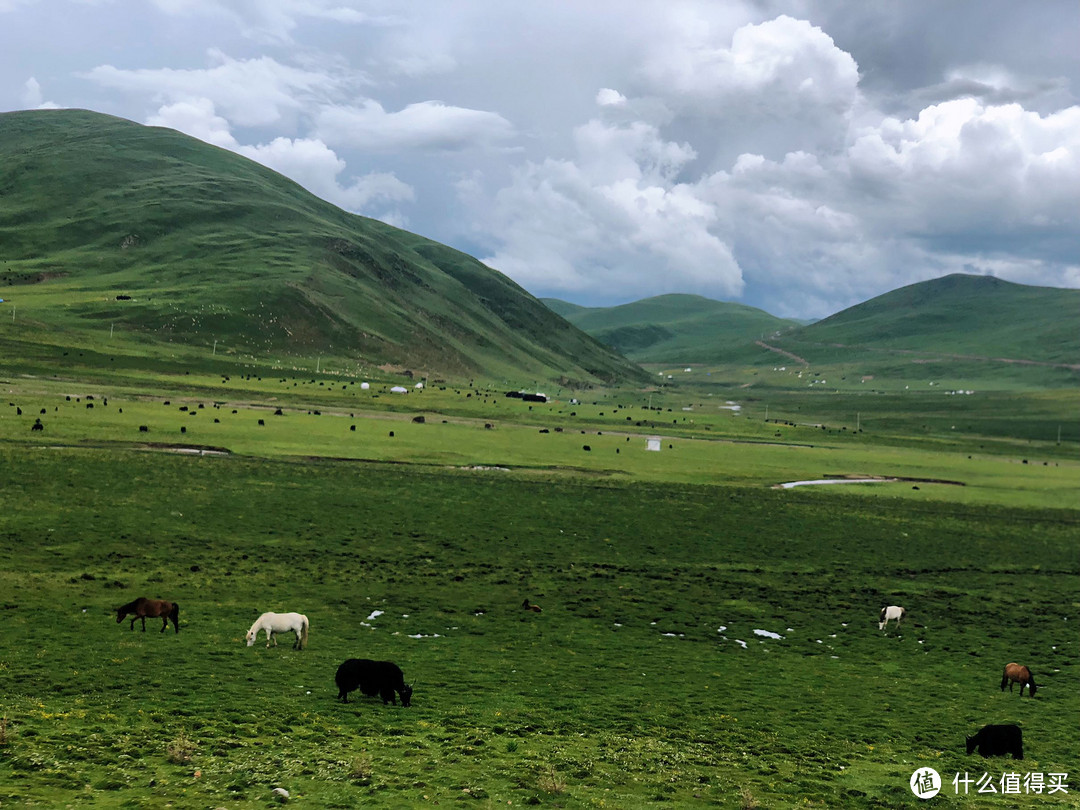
(624,691)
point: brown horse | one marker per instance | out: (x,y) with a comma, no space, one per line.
(1014,673)
(527,605)
(142,608)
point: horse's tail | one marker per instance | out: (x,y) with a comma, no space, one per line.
(303,633)
(174,614)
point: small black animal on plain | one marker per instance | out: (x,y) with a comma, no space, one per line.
(997,741)
(382,678)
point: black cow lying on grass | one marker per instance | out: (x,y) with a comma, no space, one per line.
(372,678)
(997,741)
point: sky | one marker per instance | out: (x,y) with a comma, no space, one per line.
(795,156)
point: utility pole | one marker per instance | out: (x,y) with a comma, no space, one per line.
(214,353)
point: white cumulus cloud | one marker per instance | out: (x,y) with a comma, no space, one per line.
(32,97)
(613,221)
(429,125)
(249,92)
(308,161)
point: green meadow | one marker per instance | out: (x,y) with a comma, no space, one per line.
(643,680)
(623,692)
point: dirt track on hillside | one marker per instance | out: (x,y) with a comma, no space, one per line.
(794,357)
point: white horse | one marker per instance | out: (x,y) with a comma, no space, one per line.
(891,612)
(274,623)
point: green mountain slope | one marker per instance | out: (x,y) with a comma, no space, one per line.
(168,240)
(562,308)
(674,328)
(975,316)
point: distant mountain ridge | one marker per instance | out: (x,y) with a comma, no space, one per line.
(167,237)
(978,317)
(674,328)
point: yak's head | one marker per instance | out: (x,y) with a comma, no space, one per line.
(971,742)
(406,695)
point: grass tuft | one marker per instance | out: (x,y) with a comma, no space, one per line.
(550,781)
(361,767)
(180,750)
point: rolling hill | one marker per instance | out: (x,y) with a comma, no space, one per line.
(110,226)
(967,326)
(978,317)
(674,328)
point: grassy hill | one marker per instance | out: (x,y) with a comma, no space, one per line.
(158,239)
(973,316)
(673,328)
(961,331)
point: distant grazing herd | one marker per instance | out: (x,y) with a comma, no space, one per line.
(385,678)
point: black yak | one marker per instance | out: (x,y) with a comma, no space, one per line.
(372,678)
(996,741)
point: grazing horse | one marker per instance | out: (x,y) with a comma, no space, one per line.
(142,607)
(274,623)
(1014,673)
(890,612)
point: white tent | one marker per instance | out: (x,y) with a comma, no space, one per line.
(397,389)
(652,444)
(365,386)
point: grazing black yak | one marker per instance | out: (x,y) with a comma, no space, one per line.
(997,741)
(372,678)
